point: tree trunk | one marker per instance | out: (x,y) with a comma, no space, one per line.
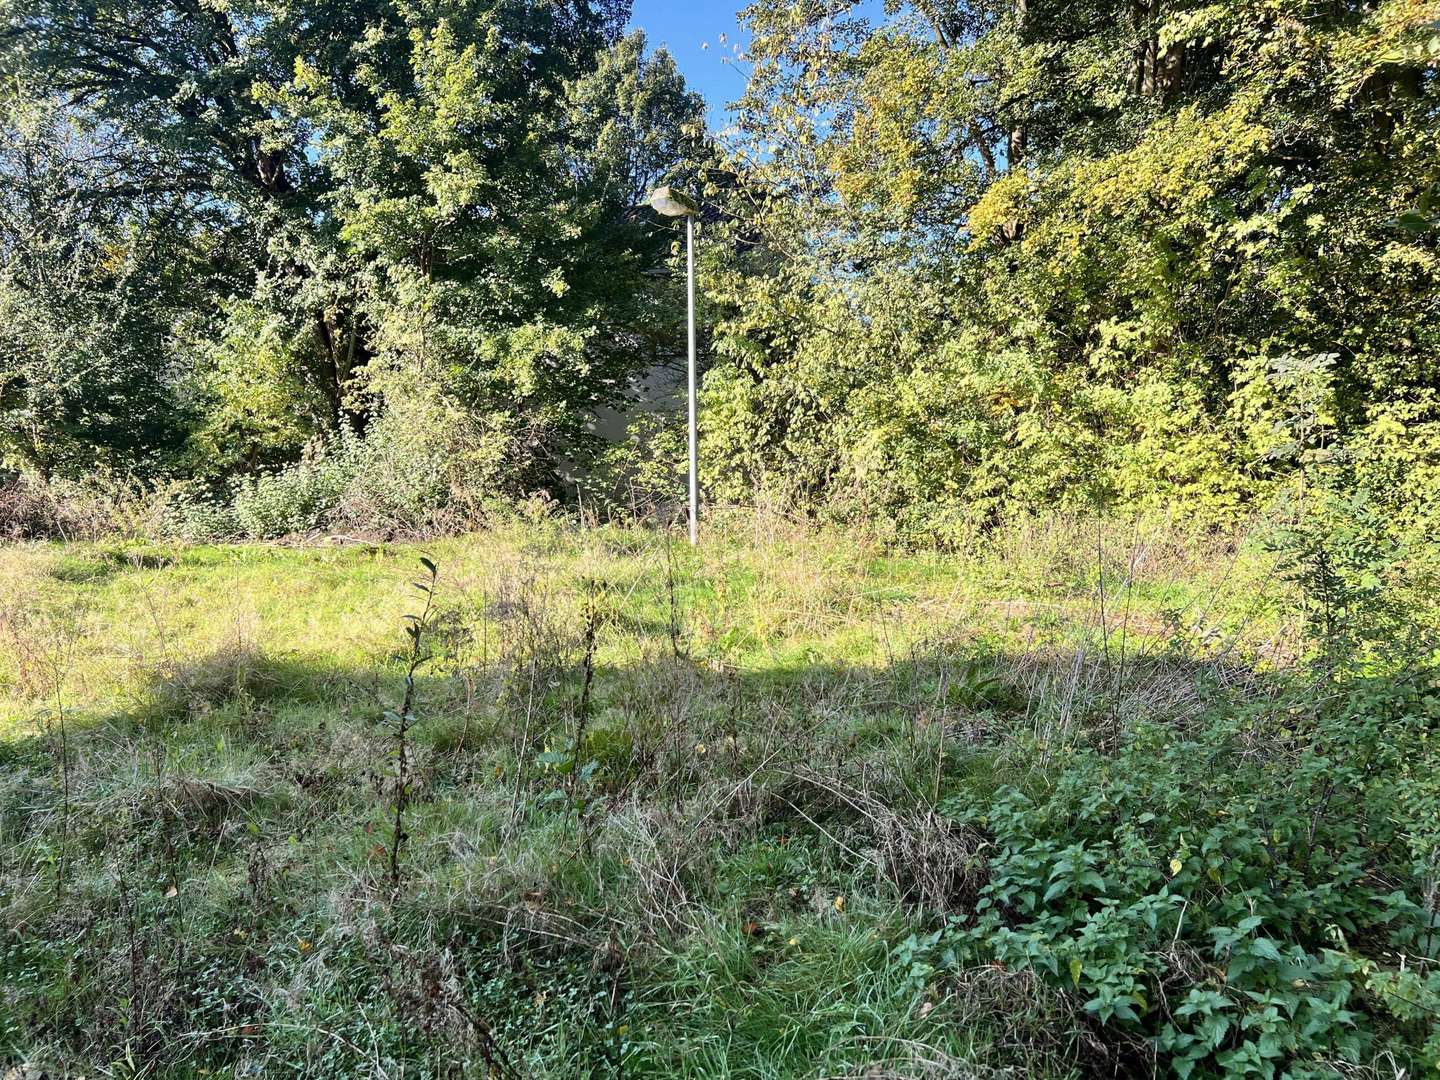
(1017,140)
(343,355)
(1157,72)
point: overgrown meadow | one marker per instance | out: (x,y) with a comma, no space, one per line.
(1065,704)
(1081,796)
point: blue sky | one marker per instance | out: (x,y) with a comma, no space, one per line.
(686,27)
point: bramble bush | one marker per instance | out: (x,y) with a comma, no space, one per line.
(1254,896)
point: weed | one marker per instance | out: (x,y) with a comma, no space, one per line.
(400,719)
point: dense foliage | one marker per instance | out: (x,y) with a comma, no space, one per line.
(1129,253)
(1231,897)
(238,234)
(959,257)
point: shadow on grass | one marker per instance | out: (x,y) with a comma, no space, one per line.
(101,563)
(219,857)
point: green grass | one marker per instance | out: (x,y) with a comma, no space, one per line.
(718,890)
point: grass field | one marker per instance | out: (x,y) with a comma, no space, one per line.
(664,812)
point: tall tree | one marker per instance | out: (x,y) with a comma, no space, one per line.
(1046,251)
(90,278)
(383,183)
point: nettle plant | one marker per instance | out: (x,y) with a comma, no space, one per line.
(1255,896)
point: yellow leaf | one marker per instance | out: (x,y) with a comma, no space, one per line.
(839,904)
(1175,865)
(1075,968)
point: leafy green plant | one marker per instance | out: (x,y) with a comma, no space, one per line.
(1234,893)
(297,498)
(574,762)
(1356,540)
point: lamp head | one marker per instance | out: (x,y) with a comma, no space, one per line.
(671,202)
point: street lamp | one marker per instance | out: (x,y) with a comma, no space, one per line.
(672,203)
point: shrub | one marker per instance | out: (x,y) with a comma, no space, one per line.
(1239,896)
(424,465)
(199,518)
(296,499)
(100,505)
(427,465)
(28,510)
(1358,537)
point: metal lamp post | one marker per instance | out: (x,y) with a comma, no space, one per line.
(672,203)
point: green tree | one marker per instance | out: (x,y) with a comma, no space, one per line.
(367,188)
(90,274)
(1028,253)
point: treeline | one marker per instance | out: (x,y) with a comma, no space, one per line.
(384,260)
(1148,255)
(383,255)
